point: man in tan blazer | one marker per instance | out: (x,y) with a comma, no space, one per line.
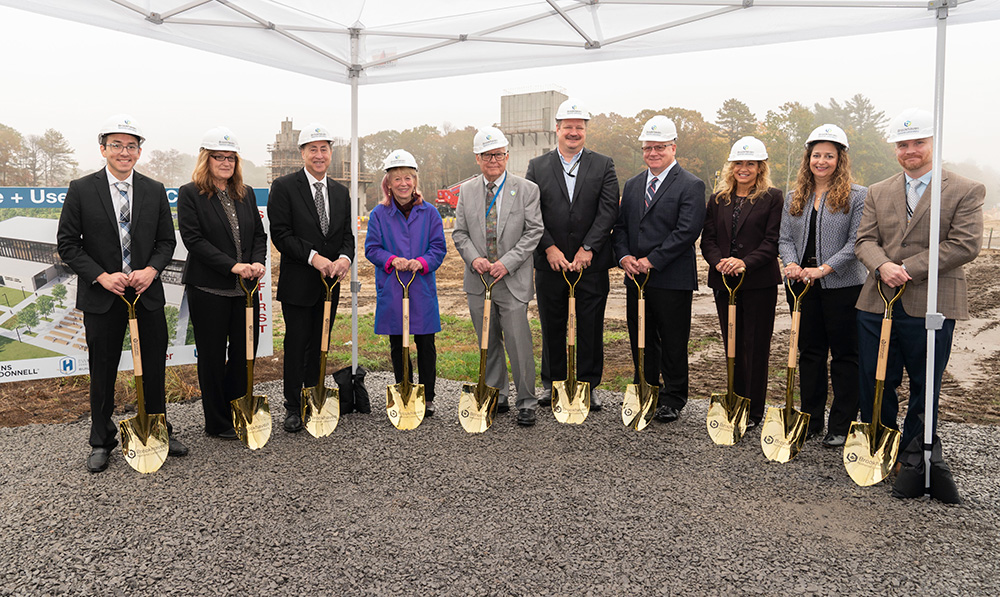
(893,243)
(498,223)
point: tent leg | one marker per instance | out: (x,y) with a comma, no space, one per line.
(355,169)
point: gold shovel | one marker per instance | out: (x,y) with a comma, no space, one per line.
(784,429)
(405,402)
(478,404)
(571,398)
(320,404)
(251,414)
(640,400)
(728,413)
(871,448)
(145,441)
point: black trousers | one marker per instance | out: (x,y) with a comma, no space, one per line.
(222,370)
(591,294)
(668,329)
(828,328)
(426,361)
(754,328)
(105,334)
(303,331)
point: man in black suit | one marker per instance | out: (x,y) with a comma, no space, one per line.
(579,201)
(116,233)
(311,226)
(661,215)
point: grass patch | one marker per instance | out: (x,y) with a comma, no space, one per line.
(10,324)
(12,296)
(12,350)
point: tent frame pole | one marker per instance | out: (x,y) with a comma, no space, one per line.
(355,284)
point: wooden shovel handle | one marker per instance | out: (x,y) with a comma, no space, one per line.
(793,343)
(133,329)
(731,333)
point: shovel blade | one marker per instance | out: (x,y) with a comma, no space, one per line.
(252,420)
(571,407)
(145,443)
(869,462)
(639,406)
(727,424)
(778,445)
(405,406)
(320,410)
(475,418)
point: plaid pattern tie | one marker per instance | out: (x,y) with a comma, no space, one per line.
(651,191)
(912,198)
(491,224)
(324,219)
(125,226)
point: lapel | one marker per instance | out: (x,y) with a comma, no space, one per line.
(509,192)
(221,214)
(897,202)
(665,182)
(478,202)
(138,197)
(924,205)
(744,213)
(557,171)
(581,172)
(329,205)
(104,192)
(307,193)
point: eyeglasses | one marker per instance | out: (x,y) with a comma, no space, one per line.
(223,158)
(657,148)
(493,157)
(116,147)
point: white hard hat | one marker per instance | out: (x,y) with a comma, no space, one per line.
(912,123)
(120,123)
(828,132)
(572,108)
(314,131)
(220,139)
(659,128)
(487,138)
(399,158)
(748,148)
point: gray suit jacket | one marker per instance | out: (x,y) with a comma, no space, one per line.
(519,228)
(884,235)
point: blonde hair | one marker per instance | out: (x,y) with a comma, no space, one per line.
(202,177)
(725,188)
(838,197)
(416,195)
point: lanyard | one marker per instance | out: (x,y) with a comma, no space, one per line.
(497,194)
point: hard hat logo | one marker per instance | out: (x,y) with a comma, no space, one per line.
(907,123)
(911,124)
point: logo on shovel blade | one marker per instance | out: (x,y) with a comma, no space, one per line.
(714,424)
(465,413)
(768,439)
(851,457)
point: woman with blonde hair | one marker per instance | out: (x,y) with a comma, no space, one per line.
(221,228)
(741,237)
(818,230)
(406,235)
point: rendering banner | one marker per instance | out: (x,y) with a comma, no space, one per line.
(41,331)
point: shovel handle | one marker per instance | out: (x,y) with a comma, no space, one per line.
(731,333)
(325,341)
(133,330)
(793,342)
(641,340)
(406,307)
(485,341)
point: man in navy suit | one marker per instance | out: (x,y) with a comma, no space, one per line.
(311,226)
(116,233)
(660,217)
(579,202)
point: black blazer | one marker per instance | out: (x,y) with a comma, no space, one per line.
(666,232)
(588,220)
(208,237)
(88,239)
(295,230)
(757,235)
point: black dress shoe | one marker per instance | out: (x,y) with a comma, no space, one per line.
(943,487)
(813,434)
(503,407)
(176,448)
(595,403)
(752,424)
(98,459)
(429,409)
(293,423)
(909,483)
(526,417)
(546,398)
(666,414)
(228,434)
(833,440)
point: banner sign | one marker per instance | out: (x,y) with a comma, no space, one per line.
(41,331)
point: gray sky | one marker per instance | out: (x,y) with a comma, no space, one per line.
(65,75)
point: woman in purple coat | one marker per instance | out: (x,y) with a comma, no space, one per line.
(405,234)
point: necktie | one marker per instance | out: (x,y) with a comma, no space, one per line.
(324,219)
(491,223)
(912,198)
(651,192)
(125,227)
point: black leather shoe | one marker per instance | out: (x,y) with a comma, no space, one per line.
(909,483)
(526,417)
(833,440)
(176,448)
(228,434)
(293,423)
(429,409)
(503,407)
(943,487)
(666,414)
(545,399)
(595,403)
(751,424)
(98,459)
(813,434)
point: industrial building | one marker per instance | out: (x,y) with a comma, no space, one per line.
(529,122)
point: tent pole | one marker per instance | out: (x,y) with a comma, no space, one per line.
(355,285)
(933,320)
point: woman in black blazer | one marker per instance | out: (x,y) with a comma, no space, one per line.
(224,235)
(742,226)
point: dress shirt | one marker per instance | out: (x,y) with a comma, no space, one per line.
(569,167)
(499,182)
(659,177)
(925,181)
(326,206)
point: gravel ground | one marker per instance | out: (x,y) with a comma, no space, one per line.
(551,510)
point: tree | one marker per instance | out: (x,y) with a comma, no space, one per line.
(59,292)
(45,305)
(172,315)
(872,158)
(28,316)
(11,147)
(56,158)
(170,167)
(785,133)
(32,159)
(735,120)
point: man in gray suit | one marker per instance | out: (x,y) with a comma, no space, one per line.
(498,223)
(893,243)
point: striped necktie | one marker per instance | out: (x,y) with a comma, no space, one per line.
(651,192)
(324,219)
(912,198)
(125,226)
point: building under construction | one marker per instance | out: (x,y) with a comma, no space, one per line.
(529,122)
